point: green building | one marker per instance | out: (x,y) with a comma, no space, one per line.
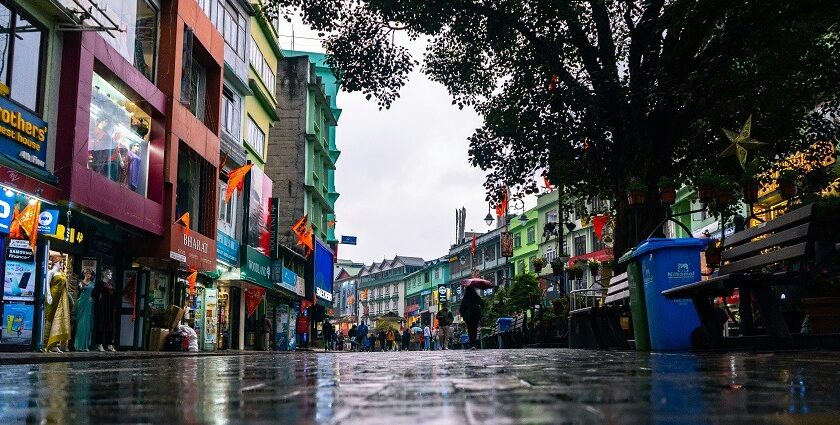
(421,289)
(525,242)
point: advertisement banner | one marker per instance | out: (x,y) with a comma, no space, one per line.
(300,286)
(253,297)
(288,279)
(19,279)
(227,249)
(211,328)
(7,208)
(158,289)
(23,136)
(259,210)
(48,222)
(507,244)
(17,324)
(281,328)
(324,270)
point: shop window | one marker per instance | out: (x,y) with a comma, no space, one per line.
(118,136)
(22,43)
(256,140)
(230,113)
(196,181)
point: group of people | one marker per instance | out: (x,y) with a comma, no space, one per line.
(362,338)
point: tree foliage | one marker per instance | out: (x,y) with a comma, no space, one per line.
(596,92)
(524,288)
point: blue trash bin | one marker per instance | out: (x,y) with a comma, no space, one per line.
(504,323)
(668,263)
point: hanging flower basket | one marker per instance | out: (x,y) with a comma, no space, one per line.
(706,193)
(594,266)
(713,256)
(557,265)
(539,263)
(668,195)
(750,190)
(787,184)
(636,192)
(723,197)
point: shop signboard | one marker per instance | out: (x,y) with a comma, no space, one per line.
(323,266)
(274,228)
(19,278)
(442,294)
(48,222)
(196,250)
(288,279)
(507,244)
(227,249)
(23,136)
(7,206)
(256,267)
(17,324)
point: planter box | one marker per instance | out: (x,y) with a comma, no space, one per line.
(824,314)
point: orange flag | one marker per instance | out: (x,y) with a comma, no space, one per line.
(185,220)
(304,234)
(28,221)
(191,280)
(502,207)
(14,230)
(235,178)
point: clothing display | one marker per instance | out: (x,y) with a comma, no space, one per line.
(58,313)
(84,317)
(103,305)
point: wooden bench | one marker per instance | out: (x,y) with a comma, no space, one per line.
(753,261)
(598,326)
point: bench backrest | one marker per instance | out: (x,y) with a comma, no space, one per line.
(619,289)
(784,238)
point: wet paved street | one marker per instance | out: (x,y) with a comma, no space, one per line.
(454,387)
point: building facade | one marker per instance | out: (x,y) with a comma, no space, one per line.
(382,287)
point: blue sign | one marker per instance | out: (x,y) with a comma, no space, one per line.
(323,259)
(288,279)
(23,136)
(348,240)
(48,222)
(227,249)
(7,207)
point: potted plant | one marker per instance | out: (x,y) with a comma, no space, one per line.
(557,264)
(667,190)
(723,194)
(750,181)
(594,266)
(713,254)
(787,183)
(539,263)
(706,184)
(636,192)
(574,272)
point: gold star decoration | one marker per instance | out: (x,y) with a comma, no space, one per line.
(740,142)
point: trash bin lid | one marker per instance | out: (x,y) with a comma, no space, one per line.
(654,244)
(626,257)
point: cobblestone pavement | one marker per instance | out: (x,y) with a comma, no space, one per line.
(453,387)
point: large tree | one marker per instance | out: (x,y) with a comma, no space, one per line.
(596,92)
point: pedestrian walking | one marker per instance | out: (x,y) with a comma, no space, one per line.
(382,337)
(427,338)
(472,308)
(361,336)
(406,339)
(266,333)
(444,318)
(351,337)
(391,338)
(329,332)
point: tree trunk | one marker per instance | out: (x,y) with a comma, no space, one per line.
(635,224)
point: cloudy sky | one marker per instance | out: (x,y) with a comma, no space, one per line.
(403,171)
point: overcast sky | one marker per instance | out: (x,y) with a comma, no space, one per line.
(403,171)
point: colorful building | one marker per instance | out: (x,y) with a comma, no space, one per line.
(525,242)
(382,287)
(421,289)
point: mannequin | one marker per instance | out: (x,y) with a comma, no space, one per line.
(103,305)
(57,310)
(84,312)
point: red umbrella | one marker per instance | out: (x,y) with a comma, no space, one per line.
(477,283)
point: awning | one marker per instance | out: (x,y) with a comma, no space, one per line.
(602,255)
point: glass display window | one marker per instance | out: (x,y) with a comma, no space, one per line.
(118,137)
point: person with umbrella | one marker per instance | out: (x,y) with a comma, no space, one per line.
(472,308)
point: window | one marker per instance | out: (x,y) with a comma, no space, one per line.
(549,255)
(194,82)
(196,178)
(256,138)
(227,211)
(118,136)
(490,253)
(580,245)
(261,66)
(531,262)
(517,240)
(437,274)
(520,267)
(551,217)
(426,277)
(22,43)
(137,39)
(532,235)
(396,292)
(597,244)
(230,113)
(233,29)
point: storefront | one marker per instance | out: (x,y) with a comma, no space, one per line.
(321,270)
(290,289)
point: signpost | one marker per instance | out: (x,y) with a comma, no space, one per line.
(348,240)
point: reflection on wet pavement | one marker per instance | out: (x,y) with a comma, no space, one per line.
(454,387)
